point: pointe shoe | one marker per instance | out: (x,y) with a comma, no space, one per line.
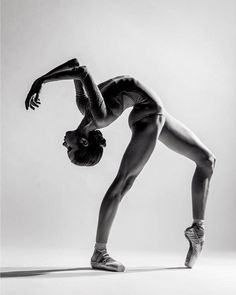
(195,235)
(102,260)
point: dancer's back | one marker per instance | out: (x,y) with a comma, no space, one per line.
(122,92)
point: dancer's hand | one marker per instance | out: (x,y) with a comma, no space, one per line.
(32,99)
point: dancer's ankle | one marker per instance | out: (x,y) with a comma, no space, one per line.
(100,246)
(199,222)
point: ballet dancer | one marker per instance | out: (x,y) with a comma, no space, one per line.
(148,120)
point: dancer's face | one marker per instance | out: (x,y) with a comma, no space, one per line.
(72,140)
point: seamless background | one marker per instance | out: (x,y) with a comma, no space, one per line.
(185,51)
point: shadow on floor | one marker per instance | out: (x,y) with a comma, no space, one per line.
(13,272)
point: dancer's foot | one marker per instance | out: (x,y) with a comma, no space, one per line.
(102,260)
(195,236)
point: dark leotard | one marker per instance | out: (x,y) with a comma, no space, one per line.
(122,92)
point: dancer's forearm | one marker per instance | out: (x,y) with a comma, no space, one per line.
(81,97)
(65,66)
(96,101)
(69,74)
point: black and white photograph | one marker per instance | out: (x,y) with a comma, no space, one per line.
(118,140)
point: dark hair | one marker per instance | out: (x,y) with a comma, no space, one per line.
(90,155)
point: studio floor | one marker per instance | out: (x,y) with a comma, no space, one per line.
(146,273)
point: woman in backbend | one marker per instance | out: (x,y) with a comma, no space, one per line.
(148,120)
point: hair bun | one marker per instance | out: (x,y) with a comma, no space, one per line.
(98,138)
(102,141)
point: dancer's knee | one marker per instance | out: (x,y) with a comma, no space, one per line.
(207,163)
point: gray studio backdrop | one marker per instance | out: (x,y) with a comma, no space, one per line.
(185,51)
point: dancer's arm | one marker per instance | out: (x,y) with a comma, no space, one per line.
(70,64)
(96,102)
(81,97)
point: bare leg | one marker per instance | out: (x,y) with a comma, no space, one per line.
(140,148)
(182,140)
(136,155)
(179,138)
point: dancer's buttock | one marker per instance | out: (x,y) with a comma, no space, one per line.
(123,91)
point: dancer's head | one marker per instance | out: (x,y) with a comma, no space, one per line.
(84,149)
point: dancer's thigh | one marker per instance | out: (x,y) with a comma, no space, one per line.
(176,136)
(140,148)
